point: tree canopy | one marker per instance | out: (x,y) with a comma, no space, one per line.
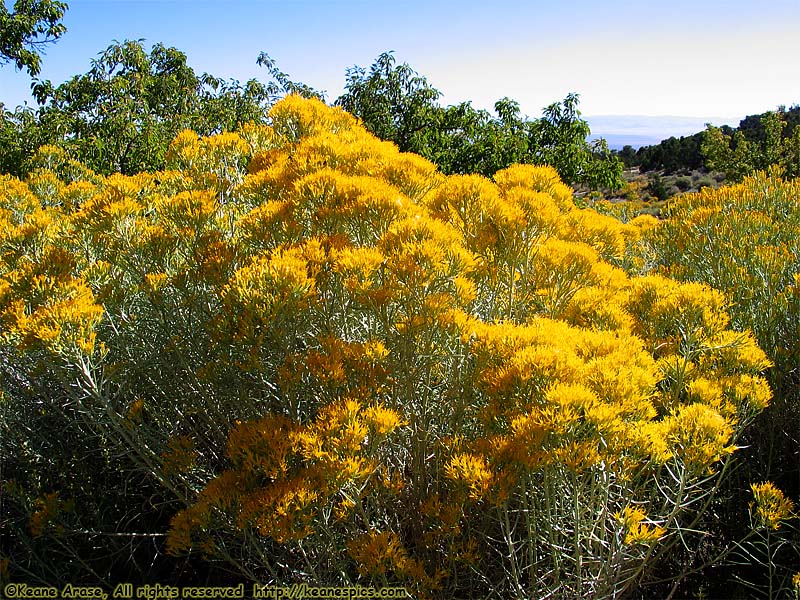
(394,102)
(758,144)
(25,32)
(121,115)
(398,104)
(760,141)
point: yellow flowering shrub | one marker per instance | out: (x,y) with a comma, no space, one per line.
(43,306)
(744,240)
(771,506)
(334,364)
(637,532)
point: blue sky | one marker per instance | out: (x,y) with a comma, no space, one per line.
(711,59)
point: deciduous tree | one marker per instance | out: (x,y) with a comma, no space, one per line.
(754,148)
(397,104)
(25,32)
(121,115)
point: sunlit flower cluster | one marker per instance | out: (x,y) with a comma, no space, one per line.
(286,476)
(743,240)
(336,359)
(770,506)
(637,531)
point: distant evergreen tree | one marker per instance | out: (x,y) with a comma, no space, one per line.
(628,156)
(753,126)
(686,153)
(671,155)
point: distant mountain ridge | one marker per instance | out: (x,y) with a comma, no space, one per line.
(617,141)
(642,130)
(683,149)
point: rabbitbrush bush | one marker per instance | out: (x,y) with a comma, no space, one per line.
(745,241)
(304,356)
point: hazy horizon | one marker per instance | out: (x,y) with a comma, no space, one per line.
(645,130)
(622,58)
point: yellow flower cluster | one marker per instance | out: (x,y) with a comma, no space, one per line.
(742,239)
(180,455)
(636,530)
(260,292)
(381,555)
(379,344)
(215,162)
(771,507)
(48,514)
(285,475)
(473,471)
(334,369)
(43,306)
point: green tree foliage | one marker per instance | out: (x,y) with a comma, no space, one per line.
(397,104)
(737,151)
(658,188)
(282,84)
(227,105)
(671,155)
(754,147)
(753,126)
(20,136)
(559,140)
(25,32)
(464,139)
(627,155)
(394,102)
(121,115)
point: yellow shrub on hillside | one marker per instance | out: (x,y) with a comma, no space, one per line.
(353,354)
